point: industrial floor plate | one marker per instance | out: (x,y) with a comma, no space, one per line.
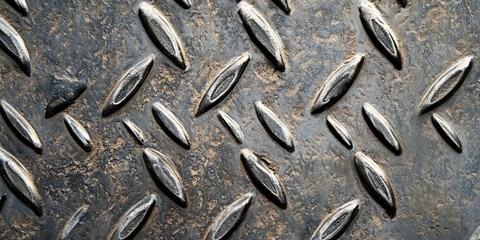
(186,119)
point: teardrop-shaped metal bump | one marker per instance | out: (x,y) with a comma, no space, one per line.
(64,91)
(19,5)
(20,181)
(376,182)
(230,218)
(231,125)
(335,224)
(128,86)
(224,83)
(134,130)
(284,5)
(134,219)
(447,132)
(21,127)
(446,85)
(274,126)
(380,33)
(13,45)
(184,3)
(339,131)
(337,84)
(165,175)
(162,34)
(261,174)
(382,128)
(73,221)
(262,33)
(171,125)
(78,133)
(476,234)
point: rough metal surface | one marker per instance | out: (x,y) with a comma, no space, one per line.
(108,191)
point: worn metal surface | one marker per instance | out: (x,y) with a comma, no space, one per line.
(285,173)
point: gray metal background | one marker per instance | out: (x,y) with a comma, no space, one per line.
(437,189)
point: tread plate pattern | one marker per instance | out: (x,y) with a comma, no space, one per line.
(78,51)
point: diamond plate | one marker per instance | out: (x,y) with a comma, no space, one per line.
(64,59)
